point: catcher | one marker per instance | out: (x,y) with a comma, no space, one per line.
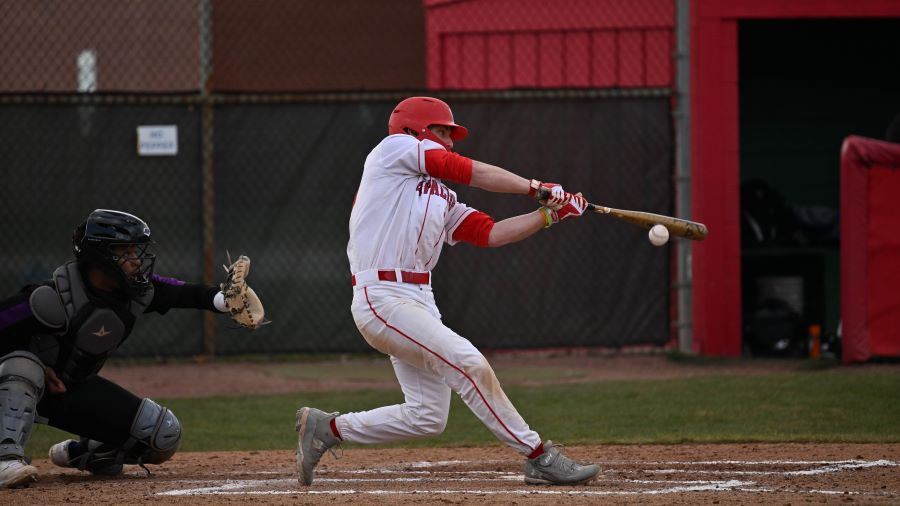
(56,336)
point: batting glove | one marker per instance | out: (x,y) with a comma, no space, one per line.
(557,197)
(575,206)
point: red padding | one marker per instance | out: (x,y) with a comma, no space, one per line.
(870,255)
(883,250)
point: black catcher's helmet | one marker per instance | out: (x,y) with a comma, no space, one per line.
(95,239)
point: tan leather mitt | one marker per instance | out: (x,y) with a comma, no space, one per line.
(242,303)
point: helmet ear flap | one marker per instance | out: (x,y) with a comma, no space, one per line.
(428,134)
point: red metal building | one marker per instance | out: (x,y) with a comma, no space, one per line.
(502,44)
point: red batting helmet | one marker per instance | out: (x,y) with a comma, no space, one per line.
(418,113)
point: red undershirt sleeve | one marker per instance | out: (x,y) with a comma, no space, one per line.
(448,165)
(475,229)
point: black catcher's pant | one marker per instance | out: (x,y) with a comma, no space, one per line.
(96,408)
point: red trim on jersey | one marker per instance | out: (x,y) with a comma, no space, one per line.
(450,166)
(434,248)
(475,229)
(422,226)
(475,385)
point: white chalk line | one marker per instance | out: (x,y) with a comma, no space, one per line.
(827,467)
(237,487)
(803,472)
(228,489)
(439,463)
(404,471)
(740,462)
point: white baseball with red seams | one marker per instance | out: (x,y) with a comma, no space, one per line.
(401,217)
(658,235)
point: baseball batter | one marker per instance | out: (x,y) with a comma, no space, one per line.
(402,216)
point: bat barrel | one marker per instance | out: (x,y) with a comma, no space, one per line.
(676,226)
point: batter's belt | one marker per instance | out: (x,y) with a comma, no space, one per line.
(372,275)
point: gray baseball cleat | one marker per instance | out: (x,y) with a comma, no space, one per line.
(554,468)
(314,438)
(61,455)
(15,473)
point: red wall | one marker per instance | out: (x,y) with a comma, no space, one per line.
(715,151)
(503,44)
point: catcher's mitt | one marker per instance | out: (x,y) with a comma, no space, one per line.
(242,303)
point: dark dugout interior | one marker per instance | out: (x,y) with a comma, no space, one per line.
(804,86)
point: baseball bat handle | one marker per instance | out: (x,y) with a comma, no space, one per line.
(679,227)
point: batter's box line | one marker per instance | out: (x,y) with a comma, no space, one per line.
(818,491)
(803,472)
(337,472)
(747,462)
(395,471)
(829,466)
(232,489)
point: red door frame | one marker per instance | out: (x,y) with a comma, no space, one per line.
(715,152)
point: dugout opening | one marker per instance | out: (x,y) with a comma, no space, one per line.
(804,85)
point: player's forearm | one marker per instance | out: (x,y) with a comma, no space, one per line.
(516,228)
(492,178)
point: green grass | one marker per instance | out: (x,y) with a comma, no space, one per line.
(835,405)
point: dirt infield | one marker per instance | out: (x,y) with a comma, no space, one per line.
(677,474)
(683,474)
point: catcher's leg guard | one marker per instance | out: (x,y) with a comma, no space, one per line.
(155,437)
(157,430)
(21,387)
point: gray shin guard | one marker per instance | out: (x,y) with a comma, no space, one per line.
(155,436)
(21,387)
(157,430)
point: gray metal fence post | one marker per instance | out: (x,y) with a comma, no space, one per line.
(208,203)
(684,283)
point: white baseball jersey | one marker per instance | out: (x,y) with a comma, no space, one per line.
(401,216)
(400,220)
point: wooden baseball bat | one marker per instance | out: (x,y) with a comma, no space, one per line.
(676,226)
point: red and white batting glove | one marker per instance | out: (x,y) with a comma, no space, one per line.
(575,206)
(557,197)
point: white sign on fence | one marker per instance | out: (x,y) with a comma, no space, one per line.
(157,140)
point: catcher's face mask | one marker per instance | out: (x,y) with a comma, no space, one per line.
(135,262)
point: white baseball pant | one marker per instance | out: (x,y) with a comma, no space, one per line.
(430,360)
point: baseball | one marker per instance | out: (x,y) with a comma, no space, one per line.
(659,235)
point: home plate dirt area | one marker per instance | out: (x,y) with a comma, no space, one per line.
(679,474)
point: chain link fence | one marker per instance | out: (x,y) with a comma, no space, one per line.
(276,105)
